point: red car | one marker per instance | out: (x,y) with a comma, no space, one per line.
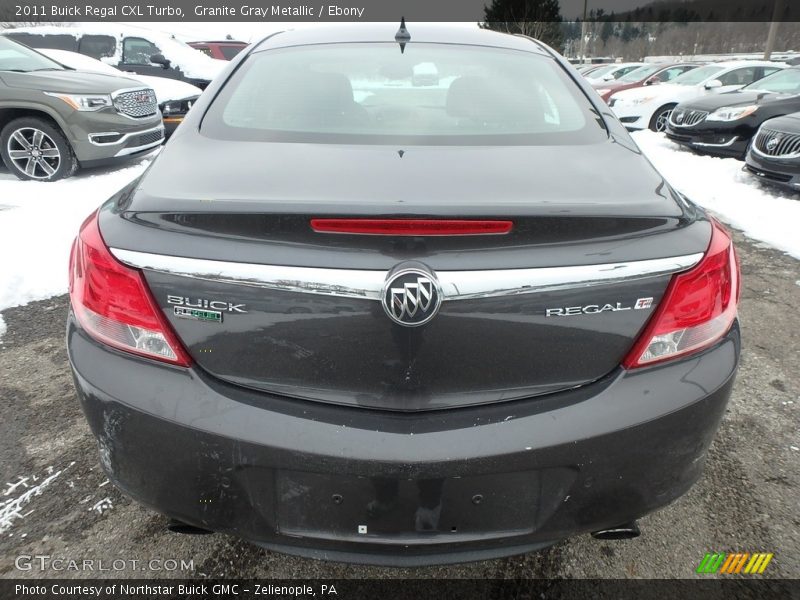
(646,75)
(224,50)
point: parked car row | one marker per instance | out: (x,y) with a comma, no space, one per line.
(174,97)
(127,48)
(74,97)
(649,107)
(54,119)
(724,124)
(643,76)
(742,109)
(611,72)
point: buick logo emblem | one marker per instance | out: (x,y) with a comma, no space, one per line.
(772,143)
(411,296)
(679,117)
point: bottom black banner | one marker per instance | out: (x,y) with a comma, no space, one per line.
(411,589)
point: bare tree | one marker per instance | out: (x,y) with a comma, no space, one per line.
(635,41)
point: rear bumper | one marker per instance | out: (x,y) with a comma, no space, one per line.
(431,487)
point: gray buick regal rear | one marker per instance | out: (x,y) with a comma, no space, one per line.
(355,314)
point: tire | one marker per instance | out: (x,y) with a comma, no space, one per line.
(659,118)
(35,149)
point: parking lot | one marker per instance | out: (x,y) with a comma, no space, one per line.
(55,500)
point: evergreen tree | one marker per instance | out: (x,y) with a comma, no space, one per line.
(607,31)
(539,19)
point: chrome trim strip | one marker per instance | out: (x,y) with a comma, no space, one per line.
(135,149)
(777,157)
(127,151)
(695,116)
(142,88)
(104,133)
(462,285)
(359,284)
(456,285)
(124,137)
(709,145)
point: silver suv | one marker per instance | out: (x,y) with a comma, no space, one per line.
(54,119)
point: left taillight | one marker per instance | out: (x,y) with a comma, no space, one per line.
(113,303)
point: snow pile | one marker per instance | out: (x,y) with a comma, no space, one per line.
(164,87)
(719,184)
(102,506)
(193,63)
(168,89)
(11,508)
(81,62)
(36,232)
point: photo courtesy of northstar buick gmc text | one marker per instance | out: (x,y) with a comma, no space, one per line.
(375,319)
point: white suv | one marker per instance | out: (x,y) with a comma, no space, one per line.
(649,107)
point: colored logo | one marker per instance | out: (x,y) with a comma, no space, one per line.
(735,563)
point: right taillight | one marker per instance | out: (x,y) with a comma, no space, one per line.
(113,303)
(697,309)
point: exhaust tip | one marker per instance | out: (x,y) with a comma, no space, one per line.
(176,526)
(626,531)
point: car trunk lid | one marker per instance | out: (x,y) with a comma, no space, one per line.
(262,300)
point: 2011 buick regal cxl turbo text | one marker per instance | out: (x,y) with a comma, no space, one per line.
(355,316)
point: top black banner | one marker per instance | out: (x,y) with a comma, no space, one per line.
(27,11)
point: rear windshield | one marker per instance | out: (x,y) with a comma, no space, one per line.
(429,94)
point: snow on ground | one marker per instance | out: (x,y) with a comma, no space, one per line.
(11,508)
(762,212)
(38,222)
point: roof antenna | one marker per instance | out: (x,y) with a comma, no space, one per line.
(402,36)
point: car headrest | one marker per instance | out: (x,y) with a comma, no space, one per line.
(329,91)
(468,96)
(492,100)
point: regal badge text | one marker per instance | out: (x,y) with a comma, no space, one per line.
(591,309)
